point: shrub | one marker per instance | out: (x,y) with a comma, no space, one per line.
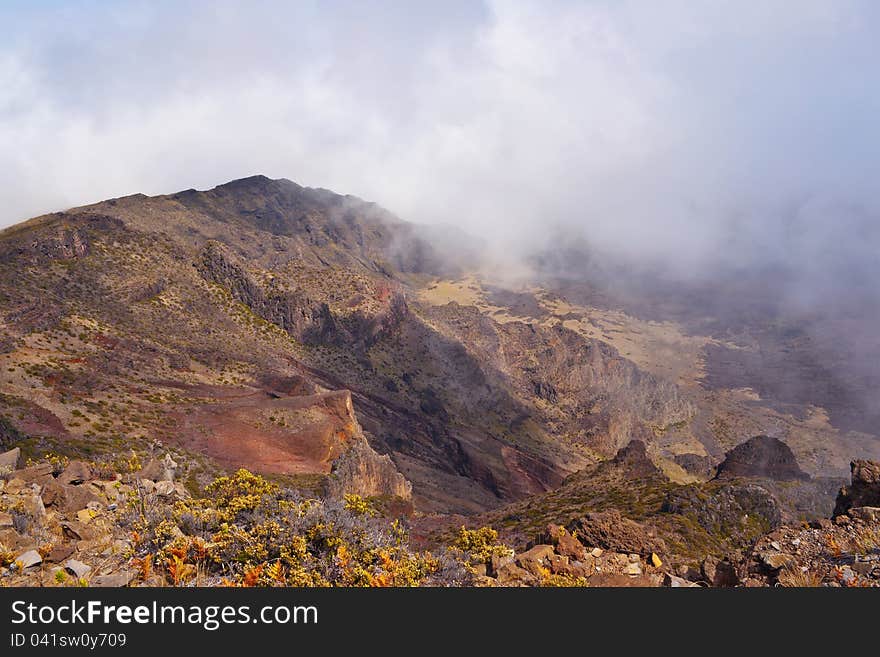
(476,546)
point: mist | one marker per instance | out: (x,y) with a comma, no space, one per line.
(692,136)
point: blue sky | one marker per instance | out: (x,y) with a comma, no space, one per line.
(649,126)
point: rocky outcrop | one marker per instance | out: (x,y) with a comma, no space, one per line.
(732,509)
(162,469)
(864,489)
(304,319)
(366,330)
(572,560)
(362,471)
(609,530)
(761,456)
(701,466)
(9,460)
(634,460)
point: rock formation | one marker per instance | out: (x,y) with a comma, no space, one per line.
(864,489)
(761,456)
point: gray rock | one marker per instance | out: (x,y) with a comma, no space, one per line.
(165,488)
(77,568)
(29,559)
(159,470)
(632,569)
(114,580)
(9,461)
(33,506)
(678,582)
(775,560)
(848,576)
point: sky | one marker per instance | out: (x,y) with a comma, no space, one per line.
(690,132)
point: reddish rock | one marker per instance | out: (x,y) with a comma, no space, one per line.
(569,546)
(609,530)
(75,473)
(59,553)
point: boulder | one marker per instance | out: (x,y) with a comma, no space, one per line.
(29,559)
(552,534)
(9,461)
(761,456)
(113,580)
(13,540)
(864,489)
(719,573)
(165,488)
(609,530)
(75,473)
(536,559)
(775,561)
(77,568)
(14,486)
(570,547)
(33,506)
(675,582)
(159,469)
(559,564)
(79,531)
(59,553)
(67,498)
(512,575)
(498,561)
(36,474)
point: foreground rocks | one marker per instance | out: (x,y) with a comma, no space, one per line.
(60,525)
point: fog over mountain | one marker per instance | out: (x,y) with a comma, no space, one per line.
(691,133)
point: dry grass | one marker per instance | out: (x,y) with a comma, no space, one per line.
(797,578)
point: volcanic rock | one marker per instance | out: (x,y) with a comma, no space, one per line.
(609,530)
(864,489)
(761,456)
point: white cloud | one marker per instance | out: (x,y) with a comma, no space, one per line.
(647,126)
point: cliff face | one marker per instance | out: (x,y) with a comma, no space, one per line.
(362,471)
(359,469)
(292,311)
(864,489)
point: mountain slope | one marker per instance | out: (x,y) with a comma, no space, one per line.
(174,318)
